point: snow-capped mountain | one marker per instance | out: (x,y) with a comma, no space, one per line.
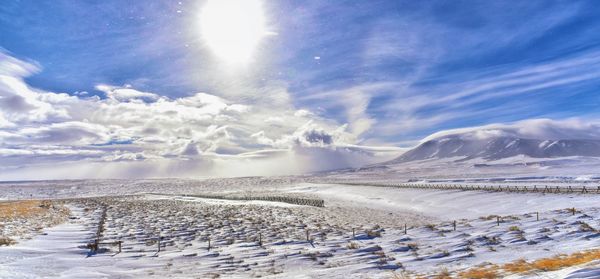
(495,148)
(535,139)
(538,148)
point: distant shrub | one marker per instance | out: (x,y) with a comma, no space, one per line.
(585,227)
(413,246)
(443,274)
(6,241)
(353,245)
(372,234)
(489,217)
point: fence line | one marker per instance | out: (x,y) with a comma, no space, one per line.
(284,199)
(490,188)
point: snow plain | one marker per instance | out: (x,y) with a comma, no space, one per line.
(269,239)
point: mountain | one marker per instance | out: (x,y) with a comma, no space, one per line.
(526,150)
(534,139)
(496,148)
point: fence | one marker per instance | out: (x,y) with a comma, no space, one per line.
(490,188)
(284,199)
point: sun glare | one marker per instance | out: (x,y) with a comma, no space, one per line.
(233,28)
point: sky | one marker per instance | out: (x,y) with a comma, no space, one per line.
(92,89)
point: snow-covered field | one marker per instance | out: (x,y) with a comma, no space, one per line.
(362,232)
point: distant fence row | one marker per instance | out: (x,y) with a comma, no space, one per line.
(284,199)
(491,188)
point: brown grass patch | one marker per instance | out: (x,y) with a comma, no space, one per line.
(553,263)
(444,274)
(5,241)
(353,245)
(480,273)
(562,261)
(523,266)
(518,266)
(22,209)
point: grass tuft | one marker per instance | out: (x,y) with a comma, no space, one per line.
(514,229)
(480,273)
(6,241)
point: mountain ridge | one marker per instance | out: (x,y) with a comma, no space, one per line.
(495,148)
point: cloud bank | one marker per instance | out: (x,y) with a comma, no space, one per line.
(124,132)
(544,129)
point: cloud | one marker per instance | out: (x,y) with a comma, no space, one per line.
(133,133)
(20,103)
(573,128)
(319,137)
(126,93)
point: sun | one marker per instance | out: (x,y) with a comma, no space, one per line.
(233,28)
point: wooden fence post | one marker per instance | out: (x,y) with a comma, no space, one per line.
(454,223)
(498,220)
(537,216)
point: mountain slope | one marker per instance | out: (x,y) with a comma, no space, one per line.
(538,138)
(494,148)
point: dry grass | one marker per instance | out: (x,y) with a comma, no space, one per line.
(23,219)
(353,245)
(401,275)
(553,263)
(443,274)
(562,261)
(489,217)
(480,273)
(514,229)
(5,241)
(523,266)
(518,266)
(22,209)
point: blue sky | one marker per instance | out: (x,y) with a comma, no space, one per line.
(387,73)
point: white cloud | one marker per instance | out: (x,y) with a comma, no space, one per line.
(132,133)
(572,128)
(126,93)
(19,102)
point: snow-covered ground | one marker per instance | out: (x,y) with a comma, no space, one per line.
(359,233)
(446,205)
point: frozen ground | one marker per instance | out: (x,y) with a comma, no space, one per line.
(358,234)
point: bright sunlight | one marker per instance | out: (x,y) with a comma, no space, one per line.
(233,28)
